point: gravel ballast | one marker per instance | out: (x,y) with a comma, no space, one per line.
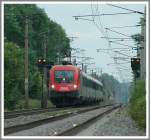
(117,123)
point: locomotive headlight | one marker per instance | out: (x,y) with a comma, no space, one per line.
(52,86)
(75,86)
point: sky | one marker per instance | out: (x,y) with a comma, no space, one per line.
(89,34)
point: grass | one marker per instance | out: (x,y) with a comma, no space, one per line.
(137,104)
(33,103)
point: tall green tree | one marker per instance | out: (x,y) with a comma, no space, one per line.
(13,77)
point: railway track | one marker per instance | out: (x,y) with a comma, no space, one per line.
(21,127)
(75,129)
(14,114)
(8,115)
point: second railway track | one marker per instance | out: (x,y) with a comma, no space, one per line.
(8,115)
(14,114)
(29,125)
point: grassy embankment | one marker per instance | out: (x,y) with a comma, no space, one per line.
(33,103)
(137,104)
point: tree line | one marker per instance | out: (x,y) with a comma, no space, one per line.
(58,44)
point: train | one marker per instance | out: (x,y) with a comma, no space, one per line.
(70,86)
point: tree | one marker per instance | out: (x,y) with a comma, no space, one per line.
(13,76)
(111,85)
(138,38)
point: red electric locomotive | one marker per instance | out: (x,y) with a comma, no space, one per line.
(70,86)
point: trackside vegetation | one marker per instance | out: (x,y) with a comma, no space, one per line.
(137,103)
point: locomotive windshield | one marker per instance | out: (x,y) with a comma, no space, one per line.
(64,76)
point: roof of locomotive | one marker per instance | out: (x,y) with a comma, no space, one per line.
(71,67)
(92,79)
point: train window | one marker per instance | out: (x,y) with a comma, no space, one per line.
(64,76)
(91,84)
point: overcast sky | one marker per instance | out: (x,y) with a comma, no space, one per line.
(89,35)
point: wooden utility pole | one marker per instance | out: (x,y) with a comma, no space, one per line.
(45,89)
(26,64)
(142,51)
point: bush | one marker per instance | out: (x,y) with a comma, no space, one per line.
(137,106)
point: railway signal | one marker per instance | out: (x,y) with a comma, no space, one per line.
(135,64)
(42,62)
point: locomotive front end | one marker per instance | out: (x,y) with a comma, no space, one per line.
(64,85)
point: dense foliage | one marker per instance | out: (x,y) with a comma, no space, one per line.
(13,75)
(115,89)
(57,44)
(110,84)
(137,106)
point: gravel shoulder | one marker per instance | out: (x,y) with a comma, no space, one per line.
(117,123)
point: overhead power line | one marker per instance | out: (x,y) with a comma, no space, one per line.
(117,32)
(109,14)
(121,58)
(127,26)
(111,49)
(118,63)
(122,53)
(119,38)
(99,25)
(121,44)
(139,12)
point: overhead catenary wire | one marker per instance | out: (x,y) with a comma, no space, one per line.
(105,32)
(95,17)
(108,39)
(122,40)
(138,25)
(112,49)
(135,11)
(108,14)
(119,63)
(119,38)
(98,27)
(117,32)
(121,53)
(121,44)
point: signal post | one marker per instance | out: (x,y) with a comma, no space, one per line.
(45,89)
(42,64)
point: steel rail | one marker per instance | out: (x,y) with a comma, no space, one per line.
(21,127)
(8,115)
(79,127)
